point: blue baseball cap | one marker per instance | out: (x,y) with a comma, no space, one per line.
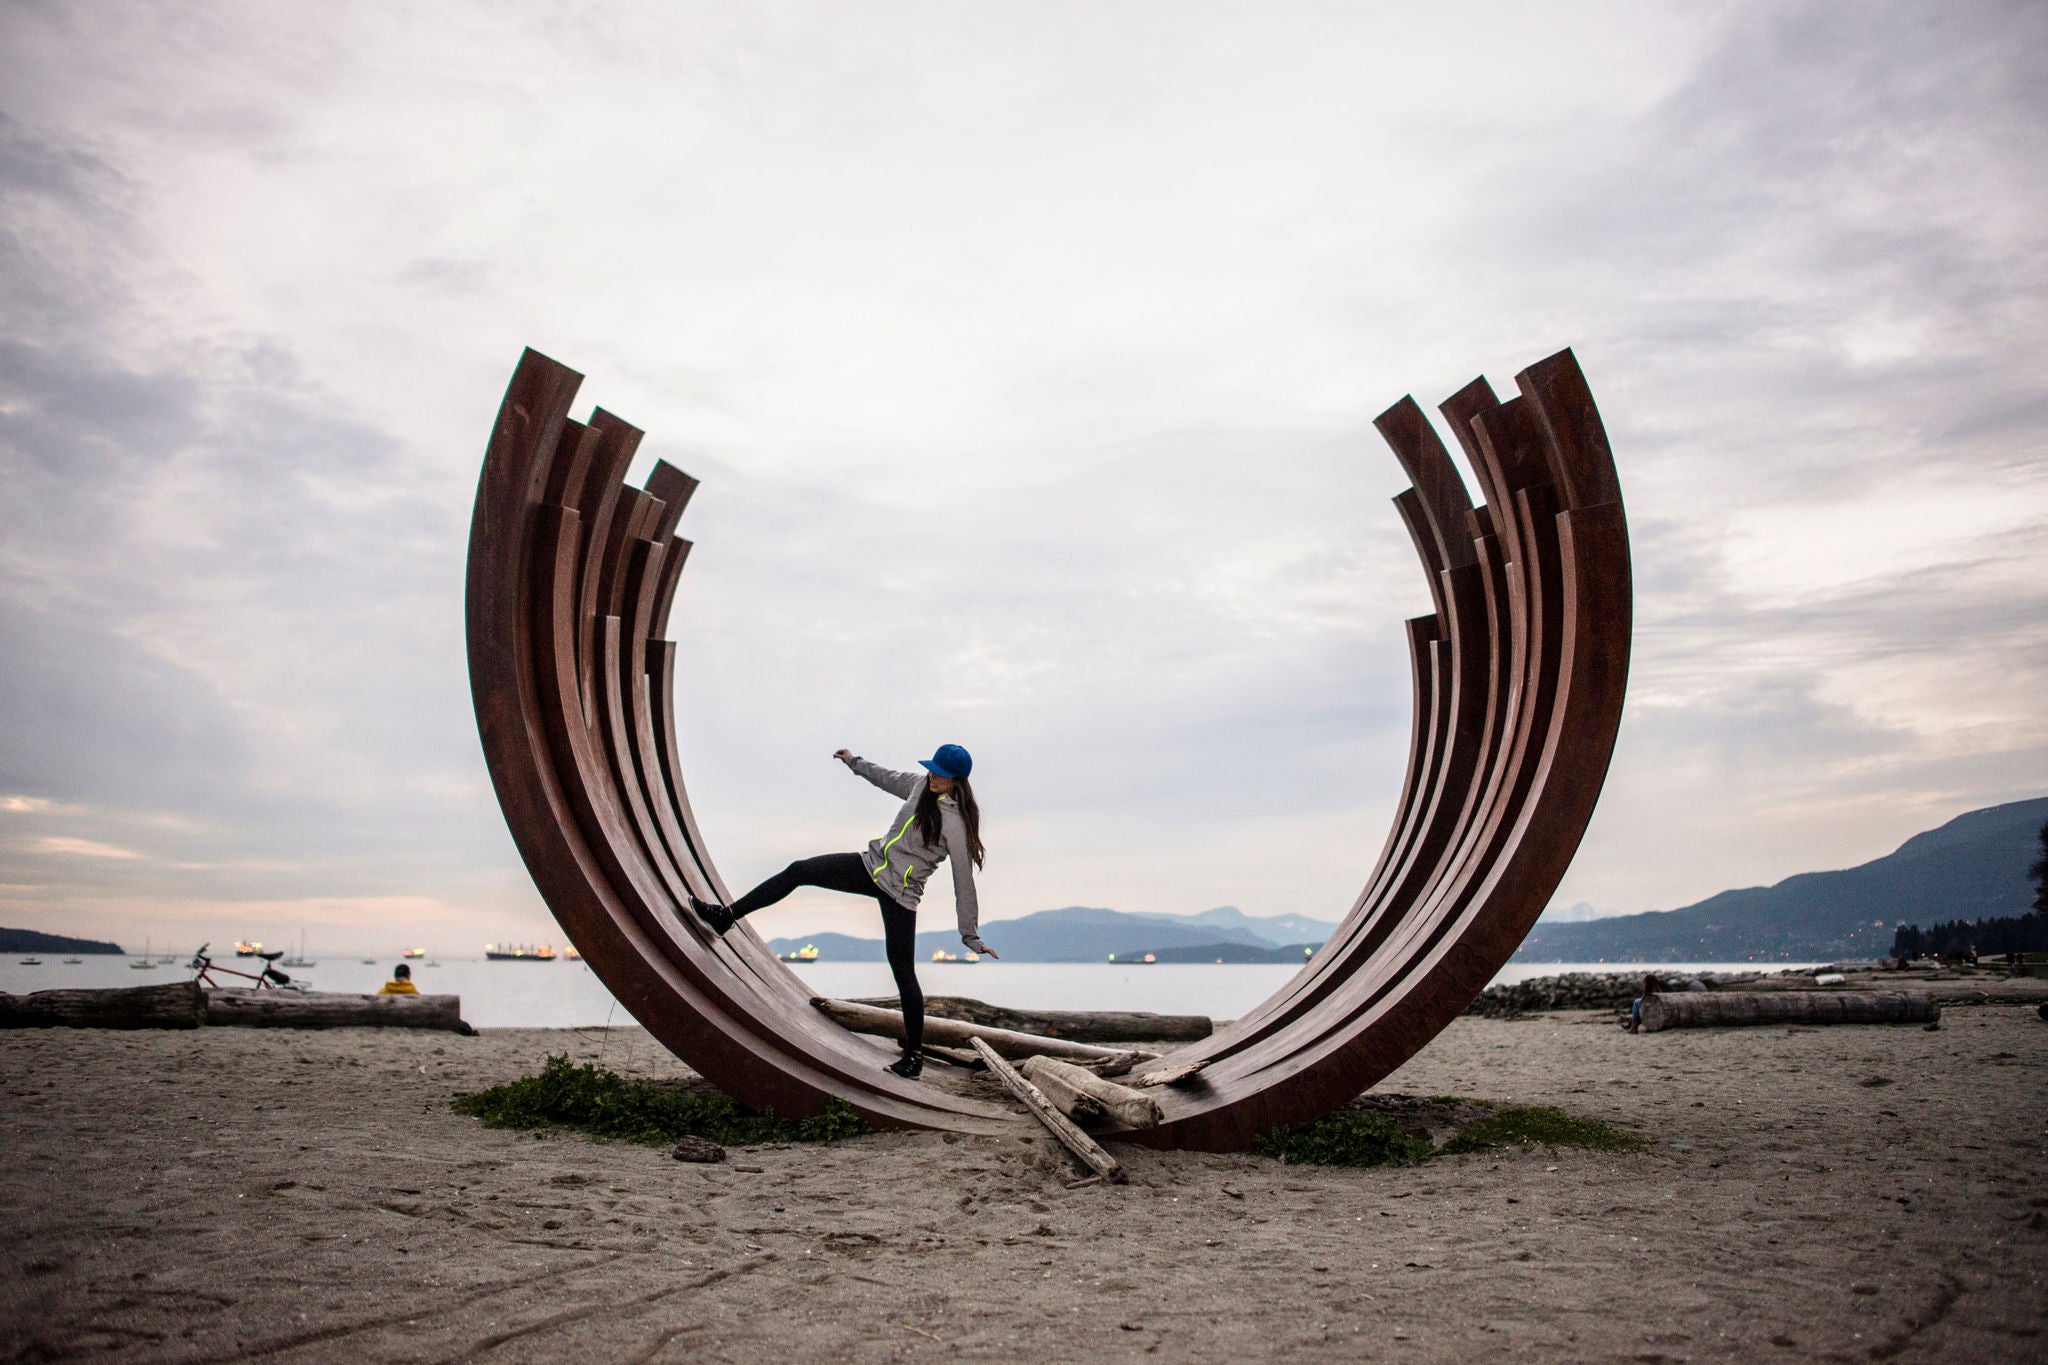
(950,761)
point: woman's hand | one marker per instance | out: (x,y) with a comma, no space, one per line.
(975,945)
(842,754)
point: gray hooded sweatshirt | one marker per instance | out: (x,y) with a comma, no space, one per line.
(901,861)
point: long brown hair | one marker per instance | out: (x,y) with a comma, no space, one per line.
(931,826)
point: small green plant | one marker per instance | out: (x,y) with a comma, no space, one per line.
(1398,1130)
(607,1105)
(1517,1123)
(1349,1137)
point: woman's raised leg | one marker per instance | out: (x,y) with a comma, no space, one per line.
(831,871)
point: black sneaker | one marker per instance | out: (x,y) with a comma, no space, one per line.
(716,916)
(909,1066)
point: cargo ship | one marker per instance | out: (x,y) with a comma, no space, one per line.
(495,952)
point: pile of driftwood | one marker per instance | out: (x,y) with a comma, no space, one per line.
(1063,1082)
(186,1004)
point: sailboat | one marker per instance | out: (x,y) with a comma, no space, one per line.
(300,960)
(144,963)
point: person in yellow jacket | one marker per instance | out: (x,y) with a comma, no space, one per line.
(400,982)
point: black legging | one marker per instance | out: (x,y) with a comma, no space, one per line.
(846,872)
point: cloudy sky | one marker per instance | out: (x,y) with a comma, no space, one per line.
(1028,354)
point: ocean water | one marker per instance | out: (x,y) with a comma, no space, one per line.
(564,994)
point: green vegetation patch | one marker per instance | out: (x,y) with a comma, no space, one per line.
(1538,1124)
(1401,1130)
(605,1104)
(1349,1137)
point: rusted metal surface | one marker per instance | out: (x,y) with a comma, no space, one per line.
(1519,679)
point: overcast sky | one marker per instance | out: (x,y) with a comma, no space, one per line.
(1028,354)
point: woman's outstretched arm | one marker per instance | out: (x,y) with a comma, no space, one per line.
(894,783)
(966,905)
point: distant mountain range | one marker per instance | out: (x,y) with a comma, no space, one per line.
(1576,914)
(1973,867)
(32,941)
(1083,933)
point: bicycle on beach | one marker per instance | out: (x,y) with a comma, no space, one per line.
(270,978)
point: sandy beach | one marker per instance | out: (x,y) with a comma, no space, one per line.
(1850,1193)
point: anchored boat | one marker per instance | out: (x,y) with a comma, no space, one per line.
(507,953)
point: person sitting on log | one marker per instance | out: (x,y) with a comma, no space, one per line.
(400,982)
(939,818)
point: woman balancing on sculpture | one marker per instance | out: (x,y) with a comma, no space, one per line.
(939,819)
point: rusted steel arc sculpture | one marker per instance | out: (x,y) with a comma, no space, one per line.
(1519,678)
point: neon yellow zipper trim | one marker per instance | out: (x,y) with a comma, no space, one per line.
(909,820)
(876,875)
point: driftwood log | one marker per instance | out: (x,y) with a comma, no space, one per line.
(1178,1074)
(177,1005)
(1722,1009)
(965,1058)
(1075,1026)
(333,1009)
(1085,1097)
(1079,1143)
(883,1023)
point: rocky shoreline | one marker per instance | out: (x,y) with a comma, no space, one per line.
(1617,990)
